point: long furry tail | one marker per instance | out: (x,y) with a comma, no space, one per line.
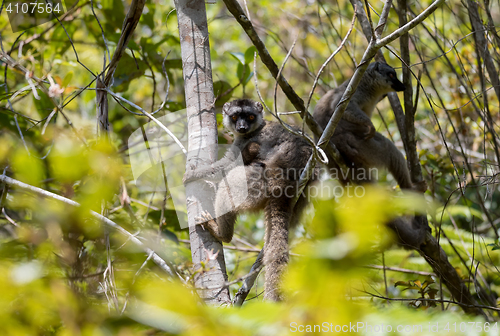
(276,248)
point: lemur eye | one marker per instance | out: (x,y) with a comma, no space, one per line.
(234,118)
(251,117)
(391,75)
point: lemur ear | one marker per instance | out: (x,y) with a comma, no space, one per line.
(258,106)
(376,66)
(225,108)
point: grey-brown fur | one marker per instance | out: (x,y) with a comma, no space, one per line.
(362,148)
(410,231)
(355,137)
(273,159)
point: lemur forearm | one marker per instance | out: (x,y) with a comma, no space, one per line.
(214,171)
(355,115)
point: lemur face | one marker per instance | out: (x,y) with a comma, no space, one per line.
(242,116)
(387,75)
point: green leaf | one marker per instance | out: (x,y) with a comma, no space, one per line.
(175,63)
(240,57)
(148,20)
(249,55)
(114,11)
(43,105)
(128,69)
(60,35)
(460,210)
(170,235)
(244,74)
(220,88)
(27,168)
(67,79)
(5,96)
(495,247)
(247,79)
(401,283)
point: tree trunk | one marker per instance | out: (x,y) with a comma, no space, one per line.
(202,129)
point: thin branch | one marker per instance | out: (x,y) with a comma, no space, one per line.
(328,61)
(399,269)
(39,82)
(370,52)
(410,25)
(229,247)
(156,258)
(234,7)
(368,13)
(249,281)
(129,24)
(317,152)
(150,116)
(383,19)
(463,305)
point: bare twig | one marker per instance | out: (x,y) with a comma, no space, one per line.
(430,250)
(374,46)
(163,264)
(39,82)
(372,49)
(461,304)
(401,270)
(238,13)
(150,116)
(249,281)
(383,19)
(328,61)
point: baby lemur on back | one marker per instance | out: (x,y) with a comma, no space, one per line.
(273,160)
(355,136)
(363,148)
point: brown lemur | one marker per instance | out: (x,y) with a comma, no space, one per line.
(273,160)
(355,137)
(363,148)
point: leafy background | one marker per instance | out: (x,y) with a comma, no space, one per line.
(63,273)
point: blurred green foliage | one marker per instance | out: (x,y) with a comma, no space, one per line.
(59,275)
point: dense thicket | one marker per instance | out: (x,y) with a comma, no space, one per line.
(64,270)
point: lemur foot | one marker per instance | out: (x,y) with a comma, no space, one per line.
(204,217)
(208,222)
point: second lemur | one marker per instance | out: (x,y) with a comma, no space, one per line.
(355,137)
(362,148)
(273,159)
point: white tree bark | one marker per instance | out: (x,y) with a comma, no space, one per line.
(207,253)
